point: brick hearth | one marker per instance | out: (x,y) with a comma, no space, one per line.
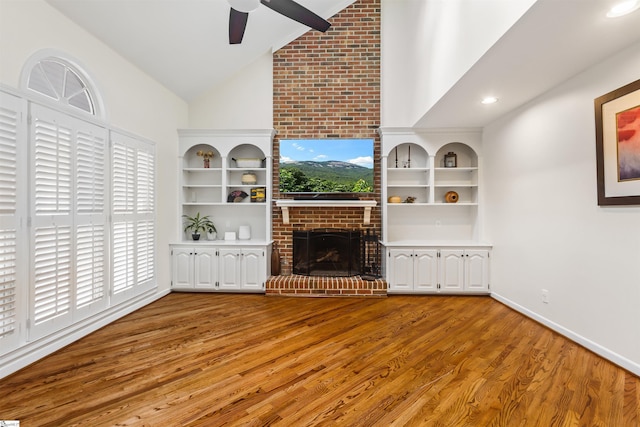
(296,285)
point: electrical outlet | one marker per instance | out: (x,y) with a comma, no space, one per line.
(545,296)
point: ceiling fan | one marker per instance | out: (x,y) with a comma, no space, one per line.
(240,14)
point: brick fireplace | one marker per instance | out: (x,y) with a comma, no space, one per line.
(327,85)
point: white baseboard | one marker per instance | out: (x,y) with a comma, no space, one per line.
(33,351)
(613,357)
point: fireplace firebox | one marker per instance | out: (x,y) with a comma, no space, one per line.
(327,252)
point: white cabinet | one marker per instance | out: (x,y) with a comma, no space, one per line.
(228,268)
(451,272)
(194,268)
(436,270)
(412,270)
(243,269)
(476,270)
(464,270)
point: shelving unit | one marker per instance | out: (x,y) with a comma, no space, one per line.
(206,190)
(424,223)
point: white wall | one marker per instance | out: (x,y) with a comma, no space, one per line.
(244,101)
(427,45)
(545,225)
(134,102)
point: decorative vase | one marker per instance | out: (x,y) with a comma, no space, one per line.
(451,197)
(195,236)
(275,260)
(207,163)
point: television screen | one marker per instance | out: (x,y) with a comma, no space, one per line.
(326,165)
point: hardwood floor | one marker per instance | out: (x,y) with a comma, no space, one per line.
(215,359)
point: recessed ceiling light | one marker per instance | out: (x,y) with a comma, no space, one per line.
(489,100)
(623,8)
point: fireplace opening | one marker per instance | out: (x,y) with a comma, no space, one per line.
(327,252)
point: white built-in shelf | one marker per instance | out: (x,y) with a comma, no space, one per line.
(456,169)
(285,204)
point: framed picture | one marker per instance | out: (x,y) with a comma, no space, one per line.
(618,146)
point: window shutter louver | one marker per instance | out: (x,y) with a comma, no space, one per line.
(12,207)
(52,273)
(8,126)
(52,168)
(123,257)
(123,179)
(145,248)
(8,131)
(90,173)
(145,182)
(7,282)
(90,243)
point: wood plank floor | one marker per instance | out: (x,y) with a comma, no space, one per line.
(215,359)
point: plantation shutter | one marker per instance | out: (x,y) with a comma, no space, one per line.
(133,195)
(145,189)
(69,245)
(51,138)
(11,114)
(91,221)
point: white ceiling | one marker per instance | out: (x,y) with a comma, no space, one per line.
(184,44)
(552,42)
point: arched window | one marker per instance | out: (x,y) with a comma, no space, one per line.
(50,74)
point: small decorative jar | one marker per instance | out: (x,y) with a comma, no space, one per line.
(249,178)
(450,160)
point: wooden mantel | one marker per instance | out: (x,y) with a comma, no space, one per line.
(285,204)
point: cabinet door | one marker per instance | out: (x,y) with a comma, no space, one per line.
(451,270)
(476,270)
(400,268)
(253,268)
(229,269)
(182,268)
(205,268)
(425,270)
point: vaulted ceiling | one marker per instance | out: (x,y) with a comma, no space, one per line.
(184,44)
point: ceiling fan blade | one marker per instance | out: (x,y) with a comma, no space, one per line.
(237,24)
(297,12)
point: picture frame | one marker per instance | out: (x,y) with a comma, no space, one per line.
(617,116)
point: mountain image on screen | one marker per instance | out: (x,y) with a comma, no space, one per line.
(328,176)
(326,166)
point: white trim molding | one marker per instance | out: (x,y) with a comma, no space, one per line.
(604,352)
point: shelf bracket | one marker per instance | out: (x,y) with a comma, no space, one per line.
(285,214)
(367,215)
